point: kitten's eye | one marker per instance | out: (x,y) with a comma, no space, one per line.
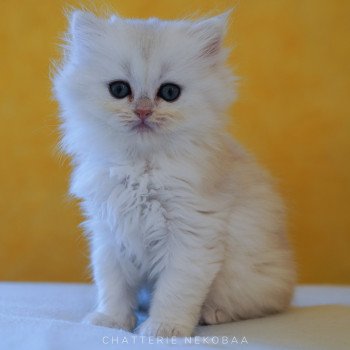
(119,89)
(169,92)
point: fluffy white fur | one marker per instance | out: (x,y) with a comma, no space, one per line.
(182,207)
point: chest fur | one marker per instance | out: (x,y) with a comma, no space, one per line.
(140,208)
(140,204)
(136,205)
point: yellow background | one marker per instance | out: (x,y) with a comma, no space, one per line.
(293,113)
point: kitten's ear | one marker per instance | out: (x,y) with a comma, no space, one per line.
(85,25)
(210,33)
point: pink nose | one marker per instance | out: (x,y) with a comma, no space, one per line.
(143,114)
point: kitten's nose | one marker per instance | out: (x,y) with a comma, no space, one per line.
(144,108)
(142,113)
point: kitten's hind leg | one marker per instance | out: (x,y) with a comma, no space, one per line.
(259,289)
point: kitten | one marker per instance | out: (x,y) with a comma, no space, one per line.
(169,198)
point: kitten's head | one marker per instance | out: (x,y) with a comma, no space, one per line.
(147,80)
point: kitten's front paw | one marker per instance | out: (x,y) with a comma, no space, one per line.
(213,315)
(152,328)
(103,320)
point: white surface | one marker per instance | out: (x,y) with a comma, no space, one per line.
(47,316)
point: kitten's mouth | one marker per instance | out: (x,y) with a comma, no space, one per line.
(142,127)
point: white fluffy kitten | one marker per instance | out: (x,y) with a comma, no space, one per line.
(169,197)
